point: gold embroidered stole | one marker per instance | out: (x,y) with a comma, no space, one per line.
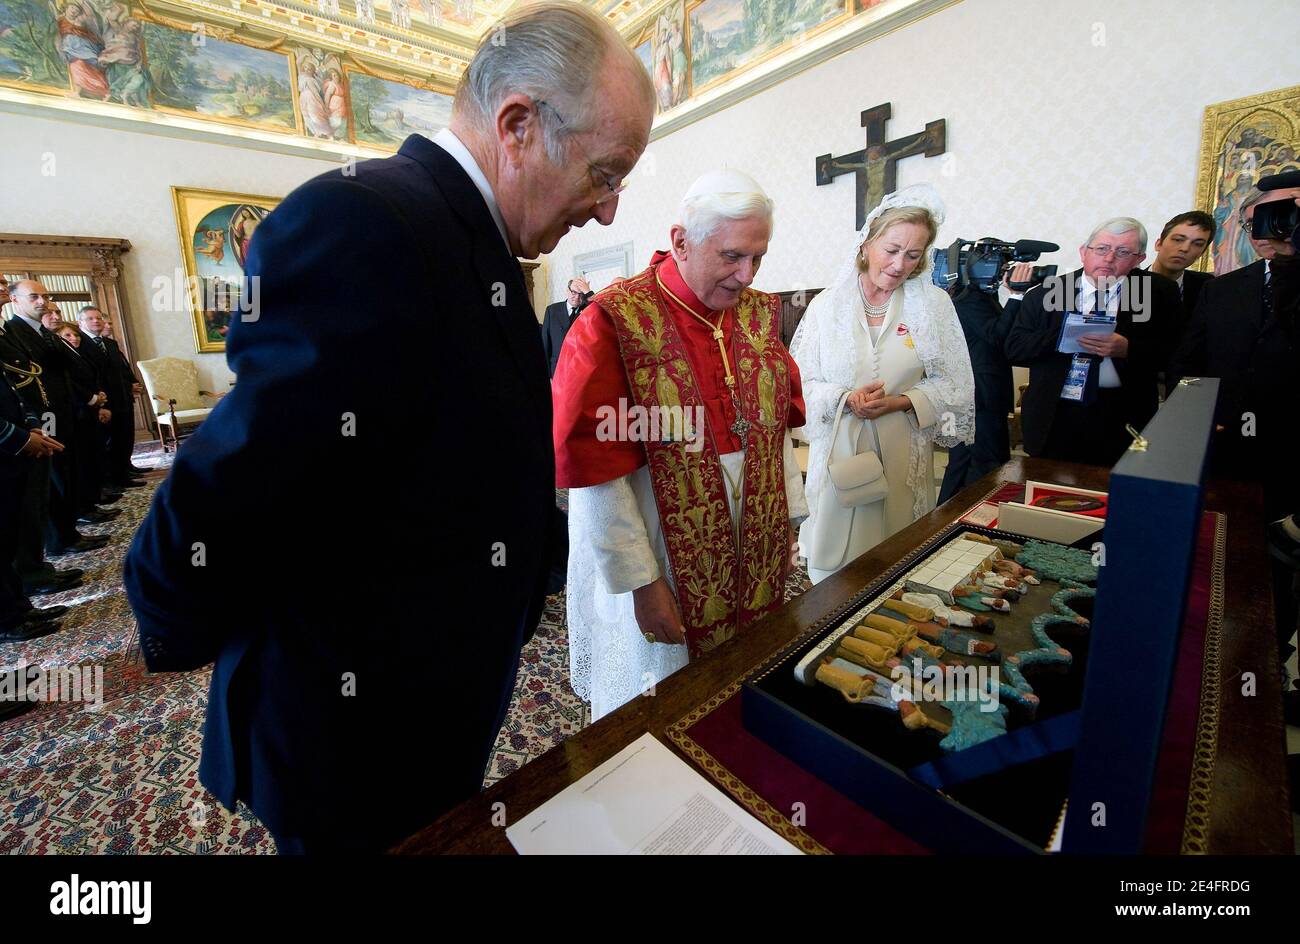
(721,588)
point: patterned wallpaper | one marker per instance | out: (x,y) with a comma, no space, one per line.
(1055,121)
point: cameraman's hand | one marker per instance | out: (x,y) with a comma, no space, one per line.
(1105,345)
(1020,272)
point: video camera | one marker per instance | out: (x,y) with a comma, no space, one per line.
(982,263)
(1281,218)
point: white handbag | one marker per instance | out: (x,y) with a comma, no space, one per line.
(859,477)
(856,479)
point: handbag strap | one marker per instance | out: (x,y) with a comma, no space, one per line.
(835,430)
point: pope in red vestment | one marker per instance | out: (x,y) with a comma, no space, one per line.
(674,398)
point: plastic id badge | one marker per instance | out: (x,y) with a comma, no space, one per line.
(1077,379)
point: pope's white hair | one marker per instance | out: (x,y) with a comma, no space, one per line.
(1118,226)
(701,216)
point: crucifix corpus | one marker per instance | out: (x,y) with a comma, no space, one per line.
(876,165)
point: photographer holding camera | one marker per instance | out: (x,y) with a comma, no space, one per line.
(1244,331)
(970,271)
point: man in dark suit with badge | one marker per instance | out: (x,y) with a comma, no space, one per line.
(353,700)
(1094,341)
(559,318)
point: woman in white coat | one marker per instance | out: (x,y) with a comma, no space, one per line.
(886,375)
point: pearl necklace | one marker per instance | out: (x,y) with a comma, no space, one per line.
(874,312)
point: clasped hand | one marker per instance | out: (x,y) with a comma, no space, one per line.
(870,402)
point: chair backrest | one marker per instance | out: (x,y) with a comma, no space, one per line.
(171,378)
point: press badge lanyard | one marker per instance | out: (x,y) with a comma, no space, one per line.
(1076,381)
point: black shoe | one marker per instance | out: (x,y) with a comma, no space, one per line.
(12,709)
(99,515)
(51,585)
(136,470)
(45,614)
(133,483)
(109,496)
(85,542)
(29,630)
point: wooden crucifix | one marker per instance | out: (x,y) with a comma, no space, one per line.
(876,165)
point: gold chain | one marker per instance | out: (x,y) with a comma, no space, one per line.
(715,328)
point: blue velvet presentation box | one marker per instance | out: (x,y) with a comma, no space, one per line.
(1095,737)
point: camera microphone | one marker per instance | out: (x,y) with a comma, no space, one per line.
(1034,247)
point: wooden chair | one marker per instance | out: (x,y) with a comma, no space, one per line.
(173,387)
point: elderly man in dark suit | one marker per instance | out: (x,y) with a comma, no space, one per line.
(559,318)
(1078,403)
(121,386)
(366,645)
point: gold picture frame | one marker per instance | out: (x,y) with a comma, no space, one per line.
(1241,141)
(216,225)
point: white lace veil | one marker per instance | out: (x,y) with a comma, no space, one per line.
(824,341)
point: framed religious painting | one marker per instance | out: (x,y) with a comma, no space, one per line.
(1241,141)
(215,229)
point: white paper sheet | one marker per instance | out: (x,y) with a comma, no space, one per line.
(645,800)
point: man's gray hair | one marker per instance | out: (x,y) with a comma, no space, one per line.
(701,216)
(81,315)
(552,52)
(1118,226)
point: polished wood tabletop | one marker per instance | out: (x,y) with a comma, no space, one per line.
(1249,799)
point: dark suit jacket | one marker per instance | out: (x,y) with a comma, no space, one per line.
(986,324)
(86,379)
(1033,339)
(1193,284)
(108,363)
(1257,359)
(25,342)
(365,590)
(1220,337)
(555,325)
(15,421)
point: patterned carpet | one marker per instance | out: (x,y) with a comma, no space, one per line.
(122,777)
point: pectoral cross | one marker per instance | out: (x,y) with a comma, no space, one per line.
(876,165)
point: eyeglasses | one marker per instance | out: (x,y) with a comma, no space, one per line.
(612,184)
(1119,254)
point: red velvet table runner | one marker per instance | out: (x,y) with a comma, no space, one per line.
(819,819)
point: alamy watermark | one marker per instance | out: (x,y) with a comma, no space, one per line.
(66,683)
(939,683)
(662,424)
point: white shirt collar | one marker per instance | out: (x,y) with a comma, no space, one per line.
(1090,288)
(447,140)
(35,323)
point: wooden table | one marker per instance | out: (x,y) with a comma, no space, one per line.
(1249,801)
